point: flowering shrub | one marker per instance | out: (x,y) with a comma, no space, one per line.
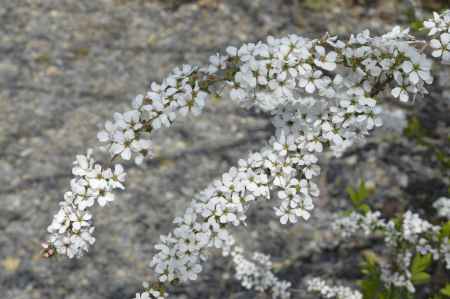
(323,95)
(412,244)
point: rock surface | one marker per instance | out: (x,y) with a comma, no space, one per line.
(66,66)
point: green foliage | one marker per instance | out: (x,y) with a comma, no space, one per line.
(422,272)
(420,278)
(443,158)
(372,287)
(371,284)
(421,263)
(445,231)
(446,290)
(418,269)
(414,23)
(414,129)
(358,196)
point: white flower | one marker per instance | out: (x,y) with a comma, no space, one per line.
(144,295)
(311,81)
(305,205)
(284,144)
(105,197)
(128,120)
(326,291)
(193,100)
(255,273)
(118,177)
(328,61)
(163,120)
(441,47)
(80,221)
(122,144)
(83,164)
(433,24)
(418,70)
(106,135)
(401,91)
(217,62)
(286,214)
(442,205)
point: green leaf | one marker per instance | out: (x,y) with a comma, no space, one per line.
(352,194)
(445,231)
(358,195)
(414,129)
(443,158)
(416,25)
(364,208)
(421,263)
(363,193)
(446,290)
(371,285)
(420,278)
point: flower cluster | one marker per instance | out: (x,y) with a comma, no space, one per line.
(321,287)
(439,28)
(414,235)
(256,274)
(123,136)
(322,94)
(127,135)
(179,93)
(275,76)
(442,206)
(357,223)
(225,202)
(151,293)
(71,229)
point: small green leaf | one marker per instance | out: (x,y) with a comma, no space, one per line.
(352,194)
(358,195)
(446,290)
(421,263)
(420,278)
(416,25)
(445,231)
(364,208)
(363,193)
(414,129)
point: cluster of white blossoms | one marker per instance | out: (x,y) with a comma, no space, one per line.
(442,205)
(151,293)
(281,76)
(126,136)
(439,28)
(322,94)
(179,93)
(321,287)
(71,229)
(415,235)
(256,273)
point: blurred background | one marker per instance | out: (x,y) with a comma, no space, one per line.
(66,66)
